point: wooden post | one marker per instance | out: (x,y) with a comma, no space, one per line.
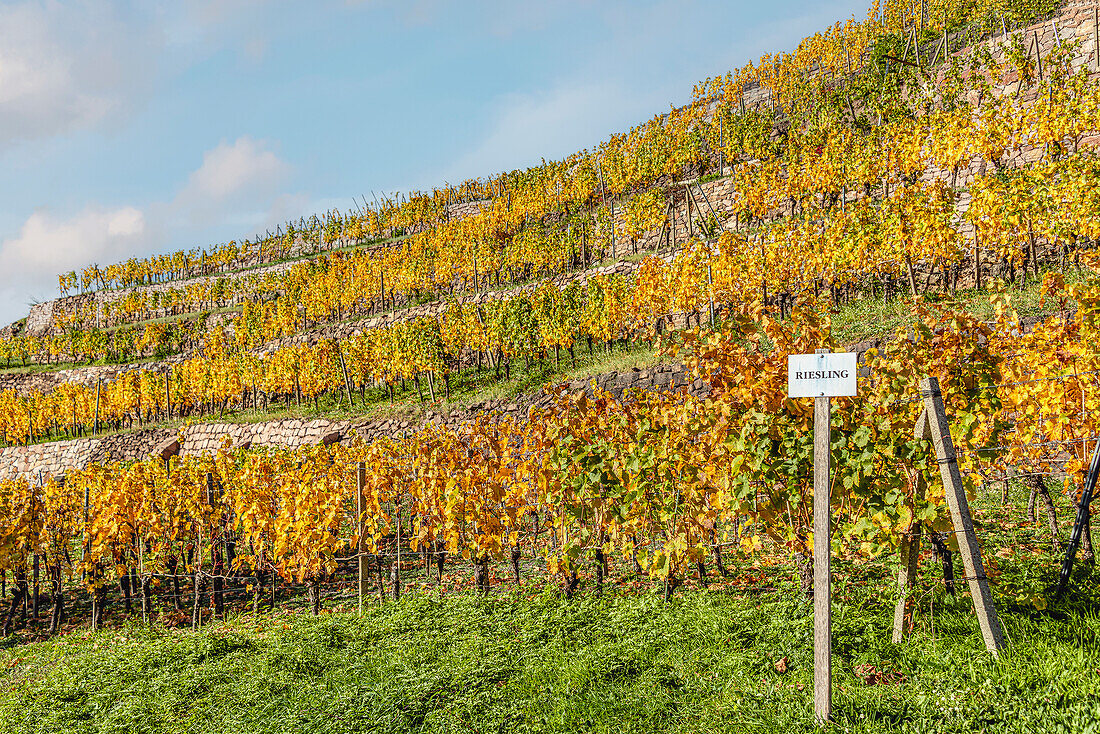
(98,386)
(672,220)
(977,264)
(687,203)
(910,549)
(168,394)
(960,516)
(84,529)
(196,607)
(710,286)
(217,563)
(614,230)
(35,588)
(823,635)
(360,508)
(721,142)
(395,576)
(1038,54)
(344,369)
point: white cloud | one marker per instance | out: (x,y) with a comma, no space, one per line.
(69,66)
(231,171)
(284,208)
(238,184)
(47,245)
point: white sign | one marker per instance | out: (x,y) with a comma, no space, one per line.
(821,375)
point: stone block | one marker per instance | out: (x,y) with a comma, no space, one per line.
(330,438)
(166,449)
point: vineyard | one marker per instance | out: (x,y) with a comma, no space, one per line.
(927,155)
(663,479)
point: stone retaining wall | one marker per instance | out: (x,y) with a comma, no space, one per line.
(58,458)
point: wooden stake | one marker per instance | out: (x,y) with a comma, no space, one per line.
(1038,53)
(395,575)
(721,143)
(687,203)
(910,549)
(344,369)
(360,509)
(98,387)
(710,288)
(823,635)
(960,516)
(977,264)
(672,221)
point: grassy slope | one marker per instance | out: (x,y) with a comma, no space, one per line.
(530,661)
(866,318)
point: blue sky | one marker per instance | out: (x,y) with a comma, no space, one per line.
(129,128)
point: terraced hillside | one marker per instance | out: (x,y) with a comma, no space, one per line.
(390,372)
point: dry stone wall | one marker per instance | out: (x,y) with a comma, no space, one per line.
(207,438)
(55,459)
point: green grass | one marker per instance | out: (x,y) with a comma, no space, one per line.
(33,368)
(867,318)
(174,318)
(468,387)
(529,661)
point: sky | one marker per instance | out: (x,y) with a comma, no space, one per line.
(134,128)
